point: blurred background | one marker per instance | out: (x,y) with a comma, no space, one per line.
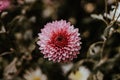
(21,22)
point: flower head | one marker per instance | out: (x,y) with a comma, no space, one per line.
(82,74)
(4,4)
(35,75)
(59,41)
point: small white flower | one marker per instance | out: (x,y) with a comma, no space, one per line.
(35,75)
(117,13)
(30,1)
(82,74)
(100,17)
(66,68)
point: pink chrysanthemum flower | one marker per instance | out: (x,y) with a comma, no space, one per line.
(59,41)
(4,4)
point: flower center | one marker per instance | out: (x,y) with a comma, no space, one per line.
(76,76)
(36,78)
(60,40)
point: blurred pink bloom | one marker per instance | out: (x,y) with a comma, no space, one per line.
(4,4)
(59,41)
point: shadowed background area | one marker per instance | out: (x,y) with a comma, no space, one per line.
(21,22)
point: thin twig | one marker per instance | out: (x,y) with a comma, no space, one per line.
(92,45)
(117,17)
(96,77)
(105,21)
(5,53)
(115,10)
(106,9)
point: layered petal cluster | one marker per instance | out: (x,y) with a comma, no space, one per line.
(59,41)
(4,4)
